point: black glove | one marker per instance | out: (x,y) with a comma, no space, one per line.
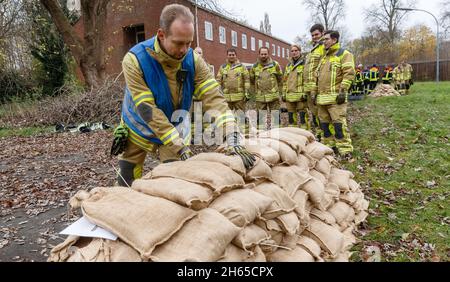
(234,148)
(340,99)
(120,140)
(185,153)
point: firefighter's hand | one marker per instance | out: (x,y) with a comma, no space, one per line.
(234,148)
(340,99)
(185,153)
(246,96)
(303,98)
(120,140)
(283,98)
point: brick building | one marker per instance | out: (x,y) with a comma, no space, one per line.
(132,21)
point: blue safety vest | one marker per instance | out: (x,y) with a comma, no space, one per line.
(157,82)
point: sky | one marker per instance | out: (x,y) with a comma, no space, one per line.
(289,18)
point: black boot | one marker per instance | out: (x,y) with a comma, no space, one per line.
(126,176)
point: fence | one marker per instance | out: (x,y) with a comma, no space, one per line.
(426,71)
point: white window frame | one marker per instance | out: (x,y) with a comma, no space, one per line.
(222,35)
(274,50)
(234,38)
(282,51)
(260,43)
(267,45)
(279,51)
(244,41)
(252,43)
(288,52)
(209,27)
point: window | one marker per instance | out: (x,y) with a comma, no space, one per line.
(267,45)
(278,51)
(287,53)
(208,31)
(133,34)
(234,38)
(252,43)
(282,52)
(260,44)
(244,41)
(273,50)
(222,35)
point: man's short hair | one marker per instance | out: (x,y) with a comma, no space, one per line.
(263,47)
(172,12)
(318,27)
(231,50)
(296,46)
(334,34)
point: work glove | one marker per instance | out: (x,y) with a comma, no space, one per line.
(246,96)
(340,99)
(120,140)
(185,153)
(234,148)
(283,98)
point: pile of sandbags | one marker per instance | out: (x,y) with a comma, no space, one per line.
(295,204)
(383,90)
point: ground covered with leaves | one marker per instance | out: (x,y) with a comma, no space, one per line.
(402,160)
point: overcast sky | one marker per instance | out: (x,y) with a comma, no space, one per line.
(289,18)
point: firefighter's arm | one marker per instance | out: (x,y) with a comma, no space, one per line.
(348,71)
(219,76)
(285,77)
(251,75)
(146,106)
(279,75)
(246,76)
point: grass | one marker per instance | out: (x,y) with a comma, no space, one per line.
(402,160)
(24,131)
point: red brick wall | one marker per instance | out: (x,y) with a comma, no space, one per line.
(147,12)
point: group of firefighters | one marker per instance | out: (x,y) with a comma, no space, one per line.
(366,79)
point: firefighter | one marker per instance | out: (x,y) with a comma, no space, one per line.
(387,75)
(374,74)
(366,80)
(293,94)
(358,82)
(309,81)
(407,76)
(162,76)
(234,80)
(398,76)
(335,74)
(266,78)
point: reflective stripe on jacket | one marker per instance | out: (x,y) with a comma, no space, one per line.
(293,81)
(234,80)
(267,80)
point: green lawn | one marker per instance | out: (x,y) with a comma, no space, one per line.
(402,153)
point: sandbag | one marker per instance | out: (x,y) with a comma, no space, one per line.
(281,204)
(333,190)
(241,206)
(323,216)
(235,254)
(309,245)
(250,236)
(234,162)
(330,239)
(315,190)
(341,178)
(203,238)
(261,170)
(182,192)
(217,176)
(265,152)
(287,154)
(289,223)
(349,198)
(298,254)
(340,211)
(290,178)
(360,217)
(299,131)
(102,250)
(353,185)
(319,176)
(140,220)
(304,163)
(301,198)
(323,166)
(295,141)
(326,202)
(61,252)
(318,150)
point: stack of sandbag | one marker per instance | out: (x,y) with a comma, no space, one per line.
(383,90)
(295,204)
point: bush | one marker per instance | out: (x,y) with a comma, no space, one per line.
(13,86)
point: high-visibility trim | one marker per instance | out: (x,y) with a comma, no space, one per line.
(204,87)
(139,141)
(169,136)
(146,96)
(227,117)
(326,99)
(349,64)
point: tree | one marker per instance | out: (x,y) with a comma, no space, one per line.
(445,17)
(328,12)
(89,50)
(265,26)
(417,43)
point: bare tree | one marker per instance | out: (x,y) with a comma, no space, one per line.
(329,12)
(445,17)
(386,19)
(89,50)
(265,25)
(215,6)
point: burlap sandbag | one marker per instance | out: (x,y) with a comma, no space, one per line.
(330,239)
(261,170)
(361,205)
(102,250)
(235,254)
(289,223)
(281,204)
(360,217)
(333,190)
(203,238)
(241,206)
(323,216)
(341,178)
(298,254)
(349,238)
(250,236)
(301,198)
(315,190)
(349,197)
(323,166)
(140,220)
(317,150)
(290,178)
(61,252)
(298,131)
(326,202)
(217,176)
(182,192)
(309,245)
(296,142)
(353,185)
(319,176)
(341,257)
(265,152)
(304,162)
(341,211)
(234,162)
(287,154)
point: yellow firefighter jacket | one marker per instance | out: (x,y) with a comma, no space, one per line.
(311,64)
(234,80)
(335,73)
(206,90)
(293,81)
(407,71)
(267,80)
(397,74)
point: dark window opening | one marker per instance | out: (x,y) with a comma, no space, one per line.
(132,35)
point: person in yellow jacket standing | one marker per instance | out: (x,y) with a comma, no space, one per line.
(293,93)
(335,75)
(309,74)
(234,80)
(267,80)
(162,77)
(407,76)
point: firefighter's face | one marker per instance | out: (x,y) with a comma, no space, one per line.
(295,53)
(231,56)
(177,41)
(328,41)
(263,55)
(316,35)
